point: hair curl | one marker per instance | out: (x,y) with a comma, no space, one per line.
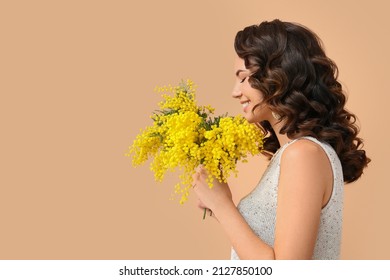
(299,82)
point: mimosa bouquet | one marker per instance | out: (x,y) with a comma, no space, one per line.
(184,135)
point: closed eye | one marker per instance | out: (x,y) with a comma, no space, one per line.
(243,80)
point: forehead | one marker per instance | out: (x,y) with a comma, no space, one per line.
(239,64)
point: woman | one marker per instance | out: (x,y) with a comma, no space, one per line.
(288,86)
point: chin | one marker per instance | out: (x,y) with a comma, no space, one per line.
(251,119)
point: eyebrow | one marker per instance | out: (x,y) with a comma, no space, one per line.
(239,71)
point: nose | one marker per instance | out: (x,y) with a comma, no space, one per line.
(236,93)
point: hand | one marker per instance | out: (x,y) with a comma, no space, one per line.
(214,198)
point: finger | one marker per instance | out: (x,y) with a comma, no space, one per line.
(200,168)
(203,170)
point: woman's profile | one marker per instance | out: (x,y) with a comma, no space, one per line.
(287,85)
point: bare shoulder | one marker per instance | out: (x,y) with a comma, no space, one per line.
(305,164)
(304,151)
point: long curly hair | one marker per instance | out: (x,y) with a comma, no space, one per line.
(299,83)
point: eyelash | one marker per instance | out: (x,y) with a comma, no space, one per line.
(243,80)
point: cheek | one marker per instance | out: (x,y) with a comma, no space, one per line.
(246,86)
(262,110)
(255,95)
(251,90)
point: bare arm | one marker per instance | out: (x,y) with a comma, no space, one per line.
(304,178)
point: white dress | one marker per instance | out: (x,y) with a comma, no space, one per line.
(259,207)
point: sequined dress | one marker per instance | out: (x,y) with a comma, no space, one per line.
(259,207)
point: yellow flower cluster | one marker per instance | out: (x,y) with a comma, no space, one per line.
(184,135)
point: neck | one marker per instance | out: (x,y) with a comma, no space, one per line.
(282,138)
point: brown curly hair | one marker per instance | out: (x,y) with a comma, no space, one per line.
(299,83)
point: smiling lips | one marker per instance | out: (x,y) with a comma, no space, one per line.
(245,104)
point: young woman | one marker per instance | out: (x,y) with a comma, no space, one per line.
(287,85)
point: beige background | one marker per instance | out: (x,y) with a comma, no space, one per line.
(76,86)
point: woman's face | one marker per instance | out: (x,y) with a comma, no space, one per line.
(248,96)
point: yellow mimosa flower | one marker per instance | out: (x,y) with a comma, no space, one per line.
(184,135)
